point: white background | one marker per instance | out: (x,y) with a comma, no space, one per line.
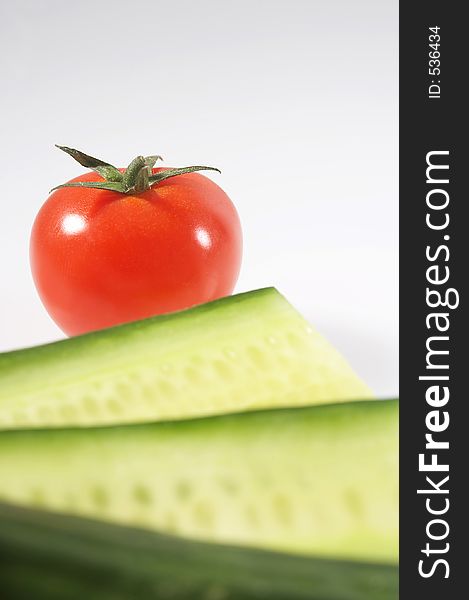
(295,101)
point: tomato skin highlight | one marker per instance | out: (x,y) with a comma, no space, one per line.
(100,258)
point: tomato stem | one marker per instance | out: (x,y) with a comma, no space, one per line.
(135,179)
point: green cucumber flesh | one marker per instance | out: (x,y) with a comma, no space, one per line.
(313,480)
(243,352)
(47,556)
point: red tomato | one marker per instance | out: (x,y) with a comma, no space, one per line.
(100,258)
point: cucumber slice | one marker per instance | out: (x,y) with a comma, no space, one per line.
(315,480)
(53,557)
(243,352)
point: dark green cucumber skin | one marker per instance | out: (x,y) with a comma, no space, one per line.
(46,556)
